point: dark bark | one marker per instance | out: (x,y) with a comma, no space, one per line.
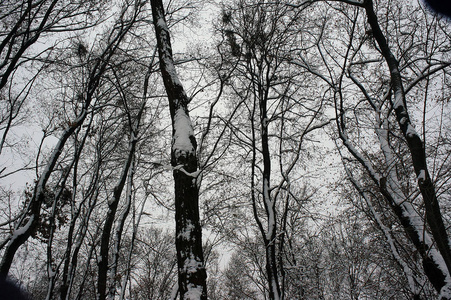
(431,269)
(70,264)
(415,144)
(30,219)
(270,240)
(111,214)
(32,38)
(105,242)
(191,270)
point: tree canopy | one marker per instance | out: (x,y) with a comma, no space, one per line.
(225,150)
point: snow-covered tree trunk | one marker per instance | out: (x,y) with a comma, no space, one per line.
(270,205)
(191,269)
(118,234)
(126,176)
(416,147)
(410,276)
(30,218)
(24,227)
(432,260)
(111,214)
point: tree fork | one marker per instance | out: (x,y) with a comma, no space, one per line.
(415,144)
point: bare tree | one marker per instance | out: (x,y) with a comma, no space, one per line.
(370,44)
(190,260)
(24,23)
(259,41)
(29,220)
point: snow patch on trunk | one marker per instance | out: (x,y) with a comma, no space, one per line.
(190,174)
(194,292)
(170,68)
(274,289)
(183,130)
(192,265)
(186,233)
(398,99)
(408,211)
(422,176)
(411,132)
(271,213)
(162,24)
(21,230)
(445,292)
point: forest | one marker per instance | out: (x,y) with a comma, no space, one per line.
(241,149)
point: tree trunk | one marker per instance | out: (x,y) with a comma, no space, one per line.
(111,214)
(415,144)
(190,260)
(24,230)
(270,238)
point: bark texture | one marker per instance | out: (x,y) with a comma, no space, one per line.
(415,144)
(191,270)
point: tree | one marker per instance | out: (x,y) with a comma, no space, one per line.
(190,261)
(259,40)
(134,122)
(285,95)
(24,23)
(385,95)
(27,225)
